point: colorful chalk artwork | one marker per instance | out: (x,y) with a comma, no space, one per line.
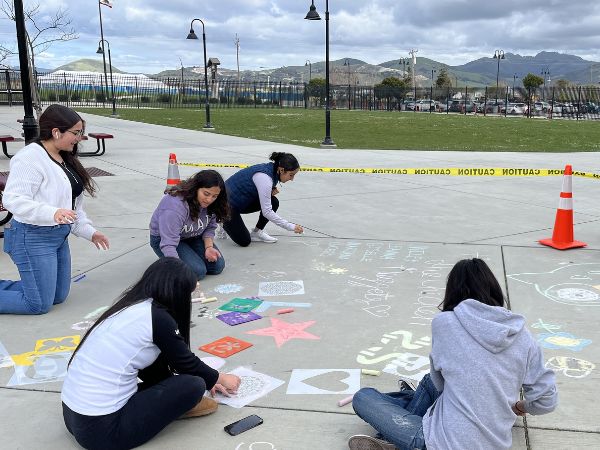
(241,305)
(226,346)
(235,318)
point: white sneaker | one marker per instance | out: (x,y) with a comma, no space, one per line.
(220,232)
(262,236)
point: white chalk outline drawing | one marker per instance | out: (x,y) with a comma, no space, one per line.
(570,367)
(575,292)
(46,368)
(261,385)
(84,325)
(410,362)
(296,385)
(251,446)
(269,304)
(5,359)
(278,288)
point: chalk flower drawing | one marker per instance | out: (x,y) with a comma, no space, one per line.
(228,288)
(570,367)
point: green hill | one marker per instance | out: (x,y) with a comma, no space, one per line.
(88,65)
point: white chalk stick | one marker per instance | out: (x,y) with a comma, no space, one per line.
(345,401)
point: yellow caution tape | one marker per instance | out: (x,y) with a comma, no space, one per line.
(446,171)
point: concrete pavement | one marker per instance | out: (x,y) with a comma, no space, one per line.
(372,265)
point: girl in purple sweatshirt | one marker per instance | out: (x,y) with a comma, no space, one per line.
(183,225)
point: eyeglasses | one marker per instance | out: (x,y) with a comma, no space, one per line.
(78,133)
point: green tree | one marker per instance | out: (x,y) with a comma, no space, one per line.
(443,80)
(316,88)
(562,83)
(531,81)
(392,87)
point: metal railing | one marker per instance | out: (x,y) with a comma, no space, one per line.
(140,91)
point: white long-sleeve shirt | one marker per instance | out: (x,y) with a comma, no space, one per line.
(264,186)
(37,187)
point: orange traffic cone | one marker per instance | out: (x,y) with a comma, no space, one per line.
(173,175)
(562,237)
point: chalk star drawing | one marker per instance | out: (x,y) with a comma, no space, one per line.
(284,331)
(228,288)
(562,341)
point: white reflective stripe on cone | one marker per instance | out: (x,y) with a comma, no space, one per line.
(567,183)
(565,203)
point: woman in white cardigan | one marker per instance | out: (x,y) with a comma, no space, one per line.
(44,192)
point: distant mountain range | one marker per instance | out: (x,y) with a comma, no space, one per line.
(480,72)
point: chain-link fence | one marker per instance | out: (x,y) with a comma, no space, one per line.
(140,91)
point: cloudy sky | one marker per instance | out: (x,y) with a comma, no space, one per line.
(149,35)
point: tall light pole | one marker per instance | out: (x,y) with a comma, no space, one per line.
(112,84)
(192,35)
(431,92)
(347,64)
(546,74)
(498,54)
(405,62)
(105,92)
(514,79)
(307,63)
(314,15)
(30,129)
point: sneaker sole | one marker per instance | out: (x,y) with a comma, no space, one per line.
(367,443)
(260,240)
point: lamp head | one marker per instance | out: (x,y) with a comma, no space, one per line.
(312,12)
(192,35)
(100,51)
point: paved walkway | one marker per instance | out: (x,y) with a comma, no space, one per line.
(372,265)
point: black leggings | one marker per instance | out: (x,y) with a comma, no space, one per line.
(146,413)
(235,227)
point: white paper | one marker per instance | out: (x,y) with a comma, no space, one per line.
(254,386)
(5,359)
(45,369)
(348,384)
(274,288)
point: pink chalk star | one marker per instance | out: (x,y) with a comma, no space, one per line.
(284,331)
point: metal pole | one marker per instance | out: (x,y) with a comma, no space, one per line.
(208,125)
(30,128)
(328,142)
(105,88)
(112,84)
(497,79)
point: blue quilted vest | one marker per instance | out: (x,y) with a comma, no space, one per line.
(241,190)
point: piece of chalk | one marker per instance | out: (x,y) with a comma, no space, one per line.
(372,372)
(78,278)
(208,300)
(198,299)
(285,310)
(345,401)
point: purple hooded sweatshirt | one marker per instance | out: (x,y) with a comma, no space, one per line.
(172,222)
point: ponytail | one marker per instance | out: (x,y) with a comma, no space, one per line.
(286,161)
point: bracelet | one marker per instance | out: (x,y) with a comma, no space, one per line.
(517,408)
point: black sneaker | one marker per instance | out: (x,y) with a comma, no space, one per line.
(405,385)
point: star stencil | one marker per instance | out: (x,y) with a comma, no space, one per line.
(284,331)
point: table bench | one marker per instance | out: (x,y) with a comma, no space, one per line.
(4,139)
(100,137)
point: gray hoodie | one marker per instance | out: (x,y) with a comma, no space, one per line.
(480,358)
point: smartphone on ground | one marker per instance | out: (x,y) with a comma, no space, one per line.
(242,425)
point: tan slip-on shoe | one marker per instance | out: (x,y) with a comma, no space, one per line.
(204,407)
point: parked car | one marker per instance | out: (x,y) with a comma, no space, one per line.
(516,108)
(541,107)
(462,105)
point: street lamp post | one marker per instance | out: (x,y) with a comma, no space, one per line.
(30,129)
(307,63)
(405,63)
(431,92)
(314,15)
(112,84)
(498,54)
(546,74)
(514,79)
(192,35)
(105,91)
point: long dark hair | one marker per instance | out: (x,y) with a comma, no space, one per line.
(188,190)
(471,278)
(63,118)
(286,161)
(169,282)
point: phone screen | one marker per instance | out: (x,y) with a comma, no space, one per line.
(242,425)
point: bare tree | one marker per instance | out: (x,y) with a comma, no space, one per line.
(42,32)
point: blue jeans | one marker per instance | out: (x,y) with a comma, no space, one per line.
(191,251)
(44,261)
(397,416)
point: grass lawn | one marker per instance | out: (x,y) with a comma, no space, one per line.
(382,129)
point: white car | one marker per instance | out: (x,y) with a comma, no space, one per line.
(516,108)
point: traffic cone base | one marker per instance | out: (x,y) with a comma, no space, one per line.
(562,245)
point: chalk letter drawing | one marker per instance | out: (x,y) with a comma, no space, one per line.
(410,362)
(348,381)
(253,386)
(406,342)
(580,286)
